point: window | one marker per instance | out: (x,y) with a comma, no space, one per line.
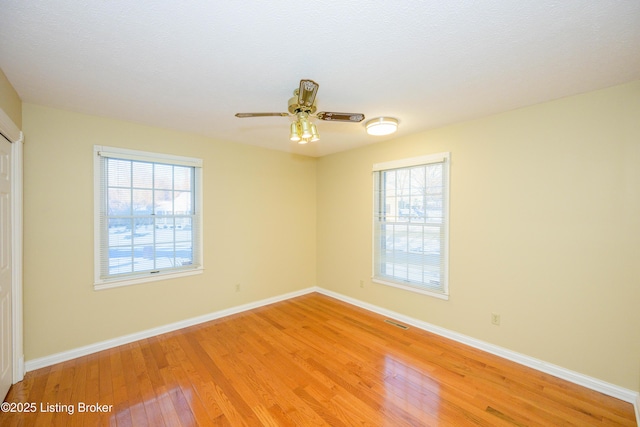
(411,224)
(147,216)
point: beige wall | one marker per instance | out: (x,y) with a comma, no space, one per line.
(259,231)
(10,102)
(545,231)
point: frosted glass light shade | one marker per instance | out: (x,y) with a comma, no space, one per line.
(381,126)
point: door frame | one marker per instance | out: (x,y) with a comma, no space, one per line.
(10,131)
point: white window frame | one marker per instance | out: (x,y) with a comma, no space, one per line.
(100,238)
(443,291)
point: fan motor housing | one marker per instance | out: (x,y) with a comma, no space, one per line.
(295,108)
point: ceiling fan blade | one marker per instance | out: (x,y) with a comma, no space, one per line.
(340,117)
(244,115)
(307,93)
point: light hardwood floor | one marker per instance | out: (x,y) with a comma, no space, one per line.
(308,361)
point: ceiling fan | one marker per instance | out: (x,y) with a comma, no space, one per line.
(302,107)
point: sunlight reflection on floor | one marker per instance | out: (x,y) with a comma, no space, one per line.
(410,389)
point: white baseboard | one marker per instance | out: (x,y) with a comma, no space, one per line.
(42,362)
(542,366)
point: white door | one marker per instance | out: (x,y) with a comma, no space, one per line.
(6,353)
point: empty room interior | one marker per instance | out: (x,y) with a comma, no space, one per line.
(323,213)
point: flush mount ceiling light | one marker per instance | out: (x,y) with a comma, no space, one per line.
(381,126)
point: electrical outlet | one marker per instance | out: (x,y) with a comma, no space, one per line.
(362,283)
(237,287)
(495,319)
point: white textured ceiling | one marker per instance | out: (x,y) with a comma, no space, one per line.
(191,65)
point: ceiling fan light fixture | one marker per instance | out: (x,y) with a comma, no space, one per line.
(303,131)
(294,134)
(314,133)
(305,128)
(381,126)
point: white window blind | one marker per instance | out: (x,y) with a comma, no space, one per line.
(411,224)
(148,216)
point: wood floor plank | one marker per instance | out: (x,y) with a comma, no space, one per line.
(245,377)
(177,372)
(147,392)
(308,361)
(233,407)
(134,396)
(153,361)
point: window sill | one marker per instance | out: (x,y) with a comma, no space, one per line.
(412,289)
(100,285)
